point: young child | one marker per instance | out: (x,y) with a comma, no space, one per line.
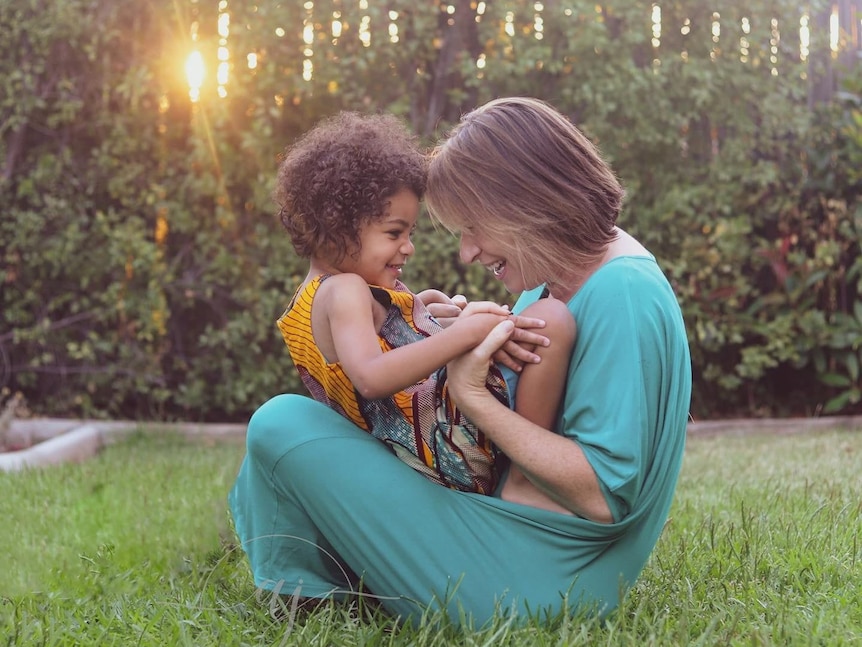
(366,346)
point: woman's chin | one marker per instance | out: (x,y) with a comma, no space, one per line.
(513,284)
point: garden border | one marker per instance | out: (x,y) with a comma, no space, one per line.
(53,441)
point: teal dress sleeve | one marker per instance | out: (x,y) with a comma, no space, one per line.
(629,383)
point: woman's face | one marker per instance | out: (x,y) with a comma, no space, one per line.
(498,259)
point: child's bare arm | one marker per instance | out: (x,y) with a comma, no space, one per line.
(375,374)
(431,295)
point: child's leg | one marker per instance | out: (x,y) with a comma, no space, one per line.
(541,386)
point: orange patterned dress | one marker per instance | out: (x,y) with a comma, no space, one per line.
(420,424)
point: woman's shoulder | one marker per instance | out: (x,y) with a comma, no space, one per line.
(626,288)
(625,273)
(626,262)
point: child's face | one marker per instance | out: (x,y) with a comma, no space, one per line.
(386,243)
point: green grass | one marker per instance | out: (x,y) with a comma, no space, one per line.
(134,547)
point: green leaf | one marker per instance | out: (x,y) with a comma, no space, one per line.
(852,363)
(837,403)
(834,379)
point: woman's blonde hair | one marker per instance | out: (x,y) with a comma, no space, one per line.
(517,171)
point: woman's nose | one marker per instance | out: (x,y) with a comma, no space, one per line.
(469,251)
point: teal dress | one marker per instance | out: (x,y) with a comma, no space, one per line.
(319,503)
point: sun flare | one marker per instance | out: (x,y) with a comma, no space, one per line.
(195,72)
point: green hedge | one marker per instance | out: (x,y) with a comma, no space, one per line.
(143,266)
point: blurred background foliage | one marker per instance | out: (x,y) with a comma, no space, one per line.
(142,266)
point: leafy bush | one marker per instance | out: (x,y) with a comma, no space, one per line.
(143,265)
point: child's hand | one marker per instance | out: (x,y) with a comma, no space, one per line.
(441,307)
(460,300)
(519,349)
(489,307)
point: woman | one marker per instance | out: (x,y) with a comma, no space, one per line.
(318,502)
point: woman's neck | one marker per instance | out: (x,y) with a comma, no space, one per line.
(565,287)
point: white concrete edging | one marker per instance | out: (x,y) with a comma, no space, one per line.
(51,441)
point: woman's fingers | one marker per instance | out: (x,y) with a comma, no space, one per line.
(468,372)
(514,355)
(504,358)
(494,340)
(529,338)
(526,323)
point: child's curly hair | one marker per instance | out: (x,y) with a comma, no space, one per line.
(339,176)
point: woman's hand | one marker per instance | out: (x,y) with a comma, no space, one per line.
(549,471)
(525,338)
(467,374)
(515,353)
(518,350)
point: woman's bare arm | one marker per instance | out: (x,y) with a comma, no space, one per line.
(555,469)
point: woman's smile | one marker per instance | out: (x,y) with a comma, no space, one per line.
(497,268)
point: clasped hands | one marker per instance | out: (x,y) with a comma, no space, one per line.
(509,346)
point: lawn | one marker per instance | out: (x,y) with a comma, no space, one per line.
(134,547)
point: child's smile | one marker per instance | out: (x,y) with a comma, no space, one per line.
(385,244)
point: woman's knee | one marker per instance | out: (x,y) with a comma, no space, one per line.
(289,420)
(274,421)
